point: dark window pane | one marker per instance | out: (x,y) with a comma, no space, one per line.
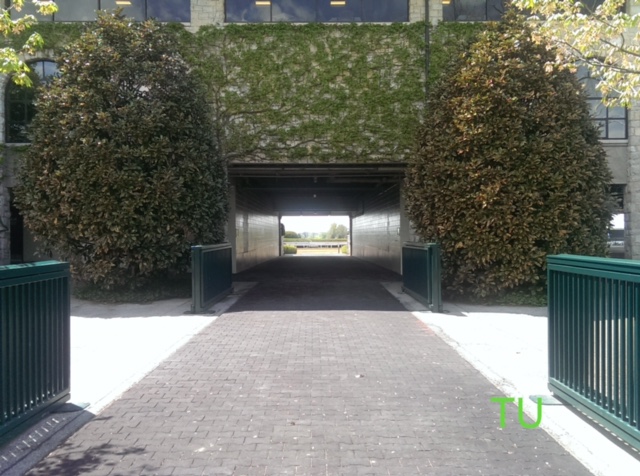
(76,10)
(339,10)
(169,10)
(19,101)
(44,71)
(593,106)
(389,11)
(591,5)
(15,93)
(472,10)
(448,11)
(248,11)
(17,133)
(130,8)
(598,110)
(49,68)
(590,88)
(469,10)
(30,9)
(17,112)
(30,112)
(617,130)
(609,129)
(293,10)
(495,10)
(617,112)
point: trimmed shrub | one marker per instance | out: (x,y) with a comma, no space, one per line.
(509,167)
(123,174)
(290,250)
(344,249)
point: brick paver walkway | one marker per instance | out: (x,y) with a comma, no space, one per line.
(316,371)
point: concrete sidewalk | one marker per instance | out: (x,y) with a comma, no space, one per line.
(354,366)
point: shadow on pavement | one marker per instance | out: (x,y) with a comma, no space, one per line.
(77,460)
(331,283)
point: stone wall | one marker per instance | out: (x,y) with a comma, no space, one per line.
(417,8)
(206,12)
(5,213)
(5,220)
(632,190)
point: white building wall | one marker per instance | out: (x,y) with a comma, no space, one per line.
(254,230)
(377,234)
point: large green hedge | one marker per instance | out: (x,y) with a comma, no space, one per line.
(123,173)
(509,167)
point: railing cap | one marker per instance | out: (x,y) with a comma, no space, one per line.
(419,245)
(26,269)
(220,246)
(593,262)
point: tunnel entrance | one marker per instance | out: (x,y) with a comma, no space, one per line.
(370,195)
(317,235)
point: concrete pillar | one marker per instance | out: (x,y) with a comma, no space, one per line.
(206,12)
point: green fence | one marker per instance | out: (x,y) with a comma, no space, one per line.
(421,275)
(210,275)
(594,339)
(34,342)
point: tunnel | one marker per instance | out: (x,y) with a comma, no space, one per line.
(369,194)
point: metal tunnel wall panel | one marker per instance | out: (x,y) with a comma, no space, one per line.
(257,231)
(376,235)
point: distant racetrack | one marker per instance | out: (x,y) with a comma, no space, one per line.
(316,244)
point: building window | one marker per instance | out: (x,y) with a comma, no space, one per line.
(19,101)
(472,10)
(611,121)
(309,11)
(85,10)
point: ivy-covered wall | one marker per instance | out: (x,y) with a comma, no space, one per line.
(310,93)
(315,92)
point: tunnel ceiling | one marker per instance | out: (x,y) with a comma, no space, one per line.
(334,189)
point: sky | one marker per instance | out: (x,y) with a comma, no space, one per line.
(312,224)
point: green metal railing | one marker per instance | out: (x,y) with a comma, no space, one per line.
(594,339)
(421,274)
(34,342)
(210,275)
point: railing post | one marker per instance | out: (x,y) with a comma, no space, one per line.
(436,279)
(421,273)
(211,278)
(196,279)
